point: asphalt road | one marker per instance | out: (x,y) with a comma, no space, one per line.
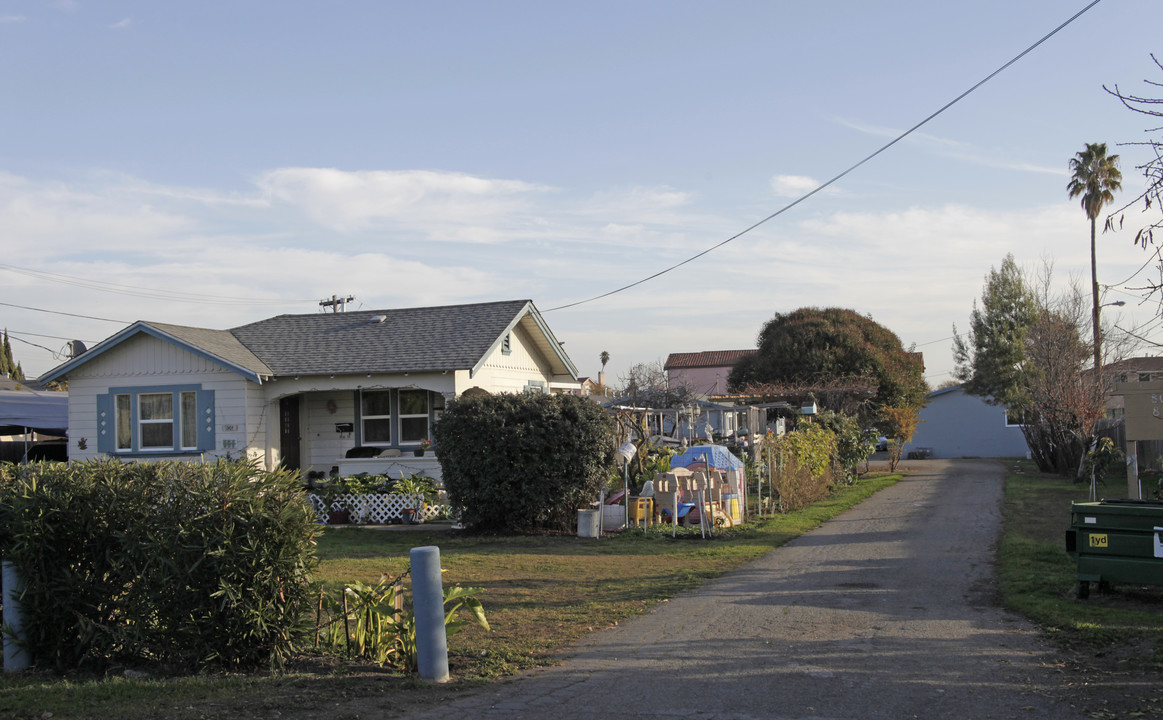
(888,611)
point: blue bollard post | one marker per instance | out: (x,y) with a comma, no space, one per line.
(428,605)
(15,656)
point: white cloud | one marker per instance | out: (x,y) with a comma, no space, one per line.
(12,19)
(121,24)
(793,186)
(347,201)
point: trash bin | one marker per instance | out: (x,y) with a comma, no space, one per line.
(587,523)
(1116,541)
(613,517)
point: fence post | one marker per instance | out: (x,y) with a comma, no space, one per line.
(15,656)
(428,606)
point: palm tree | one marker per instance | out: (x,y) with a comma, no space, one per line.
(1095,176)
(605,358)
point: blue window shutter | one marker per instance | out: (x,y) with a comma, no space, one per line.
(206,421)
(106,424)
(358,419)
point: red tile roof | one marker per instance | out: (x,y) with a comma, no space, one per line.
(706,358)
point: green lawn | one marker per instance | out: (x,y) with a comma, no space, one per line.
(540,593)
(1038,577)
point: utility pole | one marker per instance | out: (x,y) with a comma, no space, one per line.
(336,302)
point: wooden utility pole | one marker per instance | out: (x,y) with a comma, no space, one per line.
(336,302)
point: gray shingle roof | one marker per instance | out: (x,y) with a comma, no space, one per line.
(451,337)
(220,343)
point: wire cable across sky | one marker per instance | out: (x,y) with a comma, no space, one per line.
(840,176)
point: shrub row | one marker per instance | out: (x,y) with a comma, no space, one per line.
(187,564)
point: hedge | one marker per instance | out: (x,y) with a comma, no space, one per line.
(191,565)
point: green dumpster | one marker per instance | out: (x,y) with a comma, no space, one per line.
(1116,541)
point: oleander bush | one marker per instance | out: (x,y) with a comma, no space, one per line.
(190,565)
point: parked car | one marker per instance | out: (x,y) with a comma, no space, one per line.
(880,440)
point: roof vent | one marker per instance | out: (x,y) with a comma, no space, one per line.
(377,319)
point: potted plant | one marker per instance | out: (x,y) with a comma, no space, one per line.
(328,494)
(425,443)
(419,487)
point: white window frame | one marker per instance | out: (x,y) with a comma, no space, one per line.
(364,417)
(412,416)
(143,423)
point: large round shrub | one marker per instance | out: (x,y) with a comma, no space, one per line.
(523,463)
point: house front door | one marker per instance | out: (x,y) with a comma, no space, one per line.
(289,438)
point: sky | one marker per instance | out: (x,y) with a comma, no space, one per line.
(216,163)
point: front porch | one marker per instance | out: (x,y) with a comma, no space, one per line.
(394,467)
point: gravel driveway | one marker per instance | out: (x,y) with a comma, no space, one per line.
(888,611)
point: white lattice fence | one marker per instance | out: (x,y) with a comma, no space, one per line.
(377,509)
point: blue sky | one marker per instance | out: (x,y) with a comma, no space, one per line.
(234,161)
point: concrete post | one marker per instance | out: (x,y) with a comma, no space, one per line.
(1134,489)
(428,605)
(15,656)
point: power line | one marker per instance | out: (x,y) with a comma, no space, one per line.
(839,177)
(58,312)
(42,347)
(137,291)
(54,337)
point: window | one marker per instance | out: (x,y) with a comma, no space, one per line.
(155,420)
(189,420)
(413,416)
(155,416)
(535,387)
(124,422)
(507,344)
(376,417)
(1016,418)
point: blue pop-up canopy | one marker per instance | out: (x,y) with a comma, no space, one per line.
(24,410)
(716,456)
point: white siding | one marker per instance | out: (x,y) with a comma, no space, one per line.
(257,413)
(512,372)
(144,361)
(322,445)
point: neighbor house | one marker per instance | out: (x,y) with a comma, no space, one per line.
(703,373)
(956,424)
(303,391)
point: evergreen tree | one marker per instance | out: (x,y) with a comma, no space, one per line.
(6,364)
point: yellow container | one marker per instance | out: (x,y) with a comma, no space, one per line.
(641,509)
(731,505)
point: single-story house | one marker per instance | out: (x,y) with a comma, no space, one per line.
(956,424)
(304,391)
(703,373)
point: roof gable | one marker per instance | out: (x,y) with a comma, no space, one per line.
(219,346)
